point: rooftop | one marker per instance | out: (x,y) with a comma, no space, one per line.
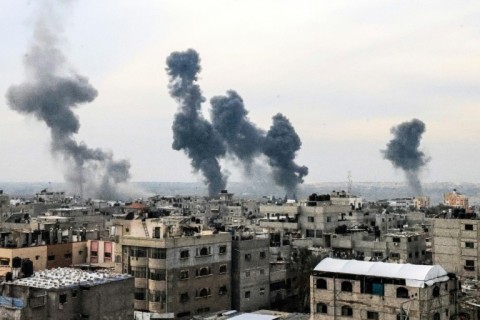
(68,277)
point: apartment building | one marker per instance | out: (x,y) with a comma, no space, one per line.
(180,270)
(65,293)
(455,199)
(351,289)
(455,246)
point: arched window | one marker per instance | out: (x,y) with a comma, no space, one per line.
(321,307)
(436,292)
(347,311)
(204,251)
(204,293)
(204,272)
(321,284)
(402,292)
(436,316)
(347,286)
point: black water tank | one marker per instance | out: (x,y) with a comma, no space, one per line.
(27,267)
(8,276)
(16,262)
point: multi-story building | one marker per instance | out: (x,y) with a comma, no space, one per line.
(455,246)
(250,273)
(455,199)
(100,253)
(180,270)
(421,202)
(66,293)
(354,289)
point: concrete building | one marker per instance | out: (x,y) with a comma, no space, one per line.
(100,253)
(180,269)
(66,293)
(455,246)
(250,273)
(353,289)
(455,199)
(421,202)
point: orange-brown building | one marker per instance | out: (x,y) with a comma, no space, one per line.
(455,199)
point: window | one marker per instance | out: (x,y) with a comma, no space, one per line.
(94,253)
(347,311)
(107,255)
(157,232)
(321,307)
(372,315)
(183,314)
(436,316)
(311,219)
(436,292)
(184,254)
(222,250)
(261,291)
(248,257)
(204,251)
(184,297)
(139,272)
(118,259)
(396,240)
(402,292)
(469,245)
(139,294)
(469,265)
(183,274)
(158,253)
(263,254)
(247,294)
(203,310)
(222,290)
(395,255)
(310,233)
(157,296)
(205,271)
(157,275)
(203,293)
(262,271)
(321,284)
(223,268)
(62,298)
(469,227)
(138,252)
(329,219)
(346,286)
(51,257)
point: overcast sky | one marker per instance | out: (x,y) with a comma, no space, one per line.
(343,72)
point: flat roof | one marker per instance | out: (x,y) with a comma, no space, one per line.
(69,277)
(415,275)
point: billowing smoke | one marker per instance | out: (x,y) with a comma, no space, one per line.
(403,151)
(281,145)
(191,131)
(229,118)
(50,93)
(231,132)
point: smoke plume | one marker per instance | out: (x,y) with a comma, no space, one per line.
(242,138)
(50,93)
(230,132)
(403,151)
(191,131)
(281,145)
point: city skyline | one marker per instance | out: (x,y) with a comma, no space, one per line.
(343,74)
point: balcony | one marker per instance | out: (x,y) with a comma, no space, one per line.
(154,285)
(157,263)
(138,261)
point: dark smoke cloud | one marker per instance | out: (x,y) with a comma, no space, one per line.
(403,151)
(229,117)
(50,94)
(191,131)
(230,131)
(281,145)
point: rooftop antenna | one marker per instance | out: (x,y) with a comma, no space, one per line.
(349,182)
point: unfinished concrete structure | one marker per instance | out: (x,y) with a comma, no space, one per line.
(376,290)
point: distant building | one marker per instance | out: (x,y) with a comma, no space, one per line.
(455,199)
(421,202)
(66,293)
(377,290)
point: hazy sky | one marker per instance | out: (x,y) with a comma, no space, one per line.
(343,72)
